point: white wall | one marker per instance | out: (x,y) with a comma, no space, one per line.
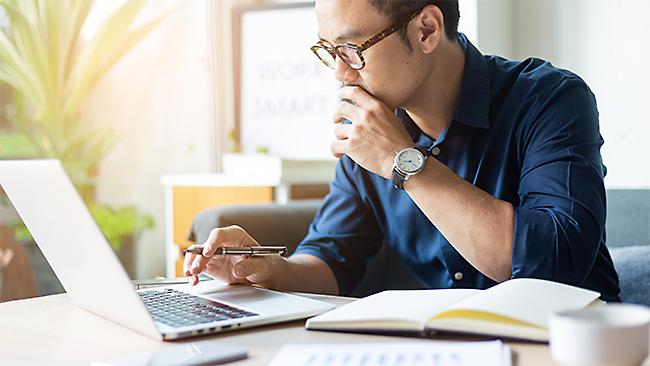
(495,27)
(603,41)
(468,23)
(158,100)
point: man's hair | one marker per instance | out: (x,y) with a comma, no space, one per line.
(395,9)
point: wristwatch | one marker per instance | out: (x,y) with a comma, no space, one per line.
(408,162)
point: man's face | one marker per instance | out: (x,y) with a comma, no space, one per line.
(389,72)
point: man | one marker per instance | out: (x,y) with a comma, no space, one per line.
(474,168)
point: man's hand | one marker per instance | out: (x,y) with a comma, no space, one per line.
(230,269)
(375,135)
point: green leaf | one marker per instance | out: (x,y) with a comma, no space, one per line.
(16,146)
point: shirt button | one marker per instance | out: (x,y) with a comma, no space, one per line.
(458,276)
(435,151)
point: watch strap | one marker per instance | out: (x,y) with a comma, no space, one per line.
(398,179)
(424,151)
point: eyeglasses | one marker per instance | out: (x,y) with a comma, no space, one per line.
(351,53)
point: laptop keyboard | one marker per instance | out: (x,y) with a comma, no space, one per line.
(179,309)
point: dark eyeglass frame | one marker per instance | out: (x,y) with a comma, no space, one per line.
(335,52)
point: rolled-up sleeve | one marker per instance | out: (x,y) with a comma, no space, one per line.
(343,233)
(560,221)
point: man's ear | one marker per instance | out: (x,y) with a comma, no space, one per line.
(429,29)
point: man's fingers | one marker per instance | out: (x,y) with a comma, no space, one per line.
(215,263)
(358,96)
(187,262)
(252,268)
(345,111)
(194,280)
(240,271)
(339,148)
(342,131)
(221,237)
(187,266)
(198,265)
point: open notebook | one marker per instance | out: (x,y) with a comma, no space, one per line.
(518,308)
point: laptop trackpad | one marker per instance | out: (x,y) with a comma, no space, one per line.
(247,296)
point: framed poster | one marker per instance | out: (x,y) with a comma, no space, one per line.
(286,95)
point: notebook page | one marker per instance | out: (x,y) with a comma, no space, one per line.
(529,300)
(412,305)
(492,353)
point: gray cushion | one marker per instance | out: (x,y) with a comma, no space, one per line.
(633,266)
(269,224)
(628,217)
(628,239)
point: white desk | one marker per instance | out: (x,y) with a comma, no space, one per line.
(52,331)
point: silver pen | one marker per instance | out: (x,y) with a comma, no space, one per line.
(251,250)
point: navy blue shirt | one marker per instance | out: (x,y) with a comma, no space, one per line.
(524,132)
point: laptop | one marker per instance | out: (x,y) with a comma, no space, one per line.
(91,274)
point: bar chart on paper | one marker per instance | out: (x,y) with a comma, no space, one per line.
(490,353)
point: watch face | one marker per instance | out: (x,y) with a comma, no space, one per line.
(409,160)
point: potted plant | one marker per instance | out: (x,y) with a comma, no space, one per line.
(51,68)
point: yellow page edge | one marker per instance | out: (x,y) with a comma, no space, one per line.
(484,316)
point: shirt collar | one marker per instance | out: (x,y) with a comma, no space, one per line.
(473,106)
(411,128)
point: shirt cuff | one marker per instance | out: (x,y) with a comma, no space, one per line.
(335,262)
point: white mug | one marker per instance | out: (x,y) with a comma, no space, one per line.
(615,334)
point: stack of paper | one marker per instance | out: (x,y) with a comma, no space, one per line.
(491,353)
